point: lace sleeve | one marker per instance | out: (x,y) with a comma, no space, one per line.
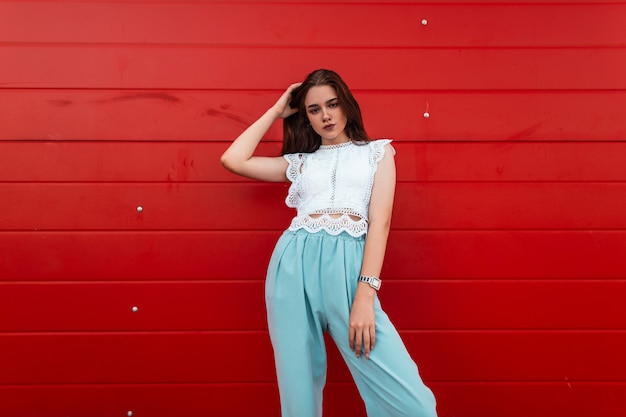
(378,151)
(294,169)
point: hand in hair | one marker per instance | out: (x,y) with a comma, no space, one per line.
(282,108)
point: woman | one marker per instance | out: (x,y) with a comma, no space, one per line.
(324,272)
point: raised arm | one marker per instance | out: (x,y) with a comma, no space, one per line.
(239,157)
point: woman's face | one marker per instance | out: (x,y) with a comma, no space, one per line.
(325,114)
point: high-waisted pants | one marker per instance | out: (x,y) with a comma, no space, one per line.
(310,286)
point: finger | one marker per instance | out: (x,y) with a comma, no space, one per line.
(291,88)
(359,343)
(372,337)
(366,343)
(351,335)
(289,111)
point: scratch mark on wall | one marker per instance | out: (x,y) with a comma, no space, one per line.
(141,96)
(59,103)
(233,117)
(526,133)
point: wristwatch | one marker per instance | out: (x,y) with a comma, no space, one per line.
(374,282)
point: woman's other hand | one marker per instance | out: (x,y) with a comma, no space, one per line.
(362,331)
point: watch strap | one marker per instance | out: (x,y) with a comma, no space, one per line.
(373,282)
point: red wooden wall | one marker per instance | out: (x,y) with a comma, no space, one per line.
(505,271)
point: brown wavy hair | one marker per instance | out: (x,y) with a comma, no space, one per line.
(298,136)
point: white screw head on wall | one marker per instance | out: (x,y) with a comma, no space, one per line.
(135,309)
(139,209)
(426,115)
(130,413)
(424,22)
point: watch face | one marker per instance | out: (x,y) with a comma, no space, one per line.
(375,283)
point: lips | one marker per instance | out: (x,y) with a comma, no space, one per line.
(329,127)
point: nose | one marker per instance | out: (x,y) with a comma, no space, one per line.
(325,115)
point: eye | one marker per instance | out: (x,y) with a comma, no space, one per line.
(333,105)
(314,110)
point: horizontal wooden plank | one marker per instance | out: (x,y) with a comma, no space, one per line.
(418,2)
(164,207)
(412,305)
(155,400)
(507,254)
(137,358)
(137,256)
(519,356)
(423,206)
(561,399)
(216,115)
(171,162)
(164,306)
(194,67)
(510,161)
(496,304)
(546,206)
(392,25)
(194,357)
(424,162)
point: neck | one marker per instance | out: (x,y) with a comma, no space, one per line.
(335,141)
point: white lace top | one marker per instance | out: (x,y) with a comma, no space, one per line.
(335,179)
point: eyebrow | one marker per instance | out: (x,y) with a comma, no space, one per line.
(327,102)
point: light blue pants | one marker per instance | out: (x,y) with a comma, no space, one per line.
(310,286)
